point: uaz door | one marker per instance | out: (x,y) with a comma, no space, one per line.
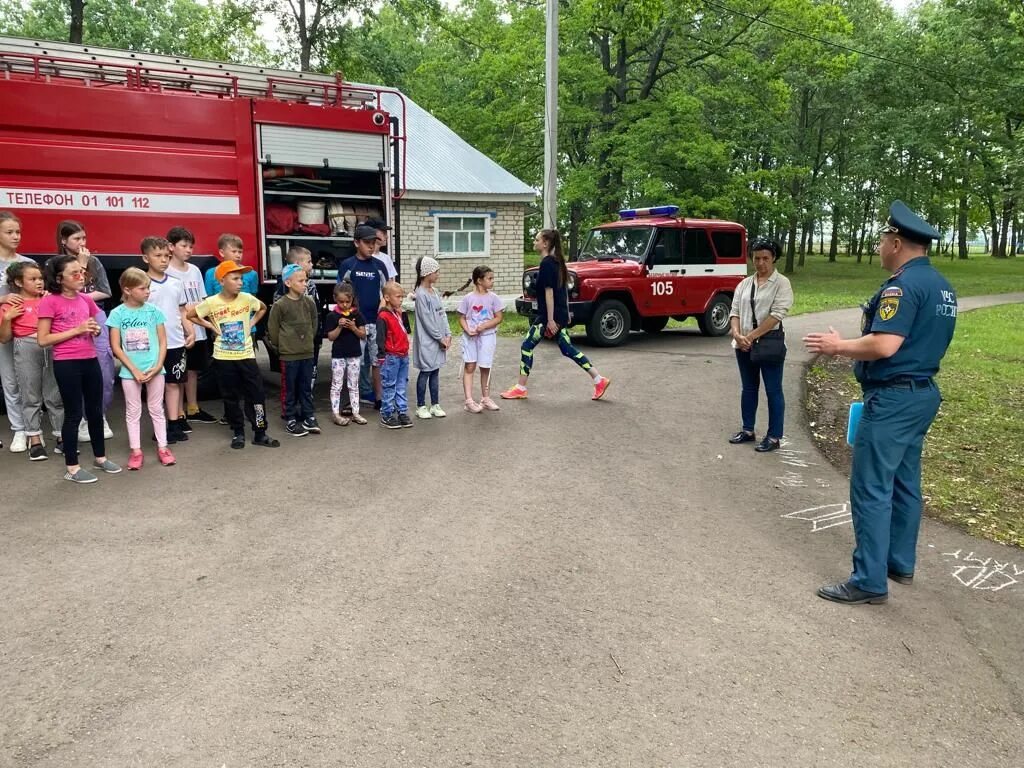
(666,287)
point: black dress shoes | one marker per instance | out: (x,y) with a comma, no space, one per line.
(767,445)
(901,578)
(851,595)
(742,437)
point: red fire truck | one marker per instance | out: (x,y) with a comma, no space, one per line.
(132,144)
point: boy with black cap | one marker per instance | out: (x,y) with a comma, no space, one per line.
(368,276)
(906,329)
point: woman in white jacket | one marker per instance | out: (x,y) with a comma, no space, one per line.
(759,306)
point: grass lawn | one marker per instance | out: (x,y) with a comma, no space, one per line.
(974,454)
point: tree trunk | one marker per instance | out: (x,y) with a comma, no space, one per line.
(1008,204)
(833,245)
(790,245)
(993,226)
(961,228)
(806,241)
(77,21)
(575,214)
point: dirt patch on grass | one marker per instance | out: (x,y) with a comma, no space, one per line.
(830,390)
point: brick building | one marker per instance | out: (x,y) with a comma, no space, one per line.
(461,207)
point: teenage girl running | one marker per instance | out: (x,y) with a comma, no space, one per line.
(552,318)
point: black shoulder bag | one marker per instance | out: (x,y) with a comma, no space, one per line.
(771,347)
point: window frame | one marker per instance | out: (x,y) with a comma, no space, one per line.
(486,217)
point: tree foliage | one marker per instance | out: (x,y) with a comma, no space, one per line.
(800,118)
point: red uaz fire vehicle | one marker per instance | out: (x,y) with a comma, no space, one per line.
(649,266)
(133,144)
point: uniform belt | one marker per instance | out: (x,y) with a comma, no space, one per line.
(902,382)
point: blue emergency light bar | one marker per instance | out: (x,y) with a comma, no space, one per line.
(659,210)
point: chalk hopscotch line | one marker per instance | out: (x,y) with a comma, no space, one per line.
(823,517)
(986,573)
(795,480)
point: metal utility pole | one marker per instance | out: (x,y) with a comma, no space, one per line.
(551,118)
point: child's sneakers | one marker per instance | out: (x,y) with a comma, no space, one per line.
(489,405)
(165,456)
(311,425)
(423,412)
(390,422)
(437,412)
(600,387)
(518,392)
(341,421)
(357,419)
(473,407)
(81,476)
(135,460)
(203,417)
(404,420)
(295,429)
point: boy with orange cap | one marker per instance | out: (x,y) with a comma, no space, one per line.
(231,314)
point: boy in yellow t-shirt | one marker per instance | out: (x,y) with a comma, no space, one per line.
(231,314)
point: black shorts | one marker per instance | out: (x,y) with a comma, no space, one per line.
(176,366)
(198,356)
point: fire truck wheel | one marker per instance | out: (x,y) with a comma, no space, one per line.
(715,320)
(610,323)
(654,324)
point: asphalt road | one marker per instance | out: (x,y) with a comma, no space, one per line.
(563,583)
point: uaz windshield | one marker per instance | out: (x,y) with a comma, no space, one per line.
(618,243)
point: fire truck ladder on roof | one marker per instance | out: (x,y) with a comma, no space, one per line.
(109,67)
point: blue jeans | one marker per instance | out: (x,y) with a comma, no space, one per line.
(394,378)
(369,362)
(885,481)
(751,374)
(298,382)
(425,379)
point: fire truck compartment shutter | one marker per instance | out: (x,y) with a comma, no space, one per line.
(312,147)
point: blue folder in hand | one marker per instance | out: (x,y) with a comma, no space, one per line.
(856,409)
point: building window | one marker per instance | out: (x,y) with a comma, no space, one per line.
(462,235)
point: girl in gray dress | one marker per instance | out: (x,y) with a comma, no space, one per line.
(431,338)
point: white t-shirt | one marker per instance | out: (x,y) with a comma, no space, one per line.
(168,295)
(195,290)
(388,264)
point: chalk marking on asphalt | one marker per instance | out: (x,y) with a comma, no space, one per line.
(986,574)
(823,517)
(791,480)
(791,456)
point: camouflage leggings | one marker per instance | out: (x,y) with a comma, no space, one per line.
(533,338)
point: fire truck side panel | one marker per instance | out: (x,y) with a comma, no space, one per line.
(127,164)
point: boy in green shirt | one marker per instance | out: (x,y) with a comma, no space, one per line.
(292,331)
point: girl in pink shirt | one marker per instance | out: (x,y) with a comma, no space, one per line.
(33,367)
(67,322)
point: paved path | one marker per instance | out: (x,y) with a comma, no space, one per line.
(565,583)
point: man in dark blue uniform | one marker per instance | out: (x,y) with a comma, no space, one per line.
(906,329)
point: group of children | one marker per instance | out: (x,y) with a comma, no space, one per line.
(57,345)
